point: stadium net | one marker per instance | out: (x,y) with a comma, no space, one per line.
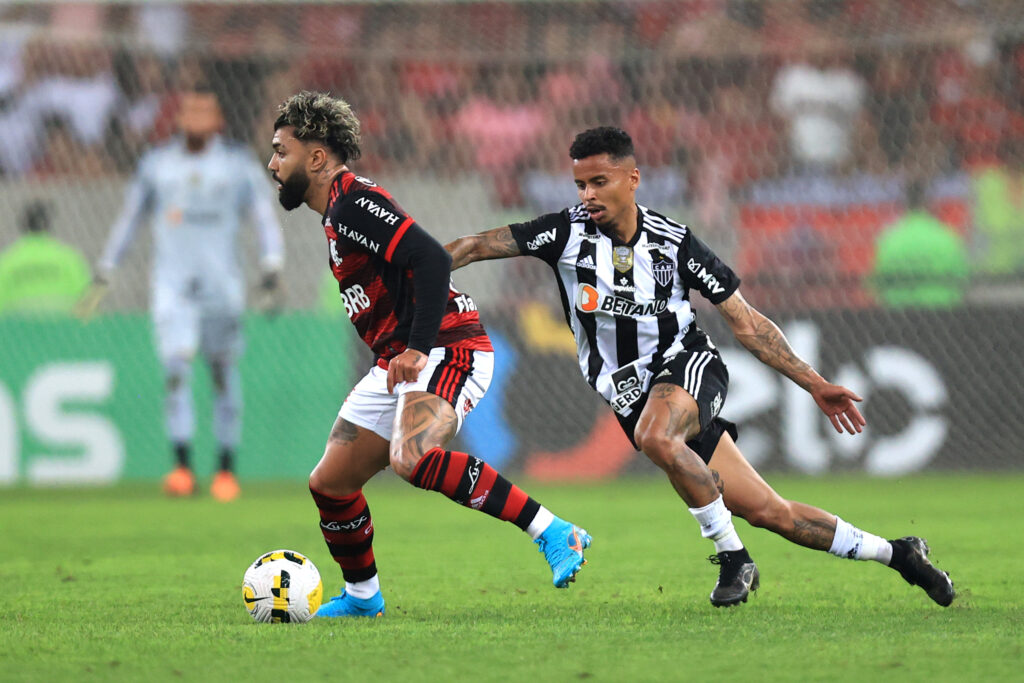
(806,141)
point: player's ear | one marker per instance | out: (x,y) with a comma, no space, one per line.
(634,178)
(317,159)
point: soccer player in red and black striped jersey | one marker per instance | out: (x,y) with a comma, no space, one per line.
(433,359)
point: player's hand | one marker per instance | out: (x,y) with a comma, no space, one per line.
(838,403)
(405,367)
(271,293)
(87,304)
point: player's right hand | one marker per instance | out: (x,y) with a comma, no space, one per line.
(838,404)
(87,304)
(405,367)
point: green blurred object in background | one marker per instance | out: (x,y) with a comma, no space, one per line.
(81,402)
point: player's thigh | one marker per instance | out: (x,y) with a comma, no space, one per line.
(701,375)
(432,409)
(176,329)
(744,491)
(459,376)
(669,417)
(423,421)
(352,456)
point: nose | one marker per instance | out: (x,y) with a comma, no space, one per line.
(272,164)
(587,193)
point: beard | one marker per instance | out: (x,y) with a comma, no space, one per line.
(293,190)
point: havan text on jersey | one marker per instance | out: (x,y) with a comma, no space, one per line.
(370,242)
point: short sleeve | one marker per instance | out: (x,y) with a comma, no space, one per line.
(544,237)
(701,269)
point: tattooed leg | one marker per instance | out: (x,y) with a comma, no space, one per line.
(351,457)
(423,421)
(750,497)
(423,425)
(668,421)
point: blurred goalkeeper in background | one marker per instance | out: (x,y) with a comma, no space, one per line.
(433,360)
(199,192)
(624,275)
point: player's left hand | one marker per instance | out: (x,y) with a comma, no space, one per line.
(838,403)
(405,367)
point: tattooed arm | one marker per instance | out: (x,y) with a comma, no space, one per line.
(765,340)
(497,243)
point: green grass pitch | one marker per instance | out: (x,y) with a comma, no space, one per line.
(121,584)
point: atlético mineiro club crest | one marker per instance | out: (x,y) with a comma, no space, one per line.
(663,268)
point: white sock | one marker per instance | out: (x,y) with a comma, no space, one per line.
(541,521)
(716,523)
(363,589)
(856,544)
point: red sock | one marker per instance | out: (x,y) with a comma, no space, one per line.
(471,482)
(348,530)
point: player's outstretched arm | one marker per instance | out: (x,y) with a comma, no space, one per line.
(492,244)
(765,340)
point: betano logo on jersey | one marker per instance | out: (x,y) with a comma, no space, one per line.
(589,300)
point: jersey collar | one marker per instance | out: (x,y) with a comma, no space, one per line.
(616,240)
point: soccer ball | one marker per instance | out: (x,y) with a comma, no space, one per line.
(282,586)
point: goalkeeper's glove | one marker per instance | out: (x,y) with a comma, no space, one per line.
(271,296)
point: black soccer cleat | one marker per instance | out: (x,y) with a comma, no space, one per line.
(737,576)
(910,559)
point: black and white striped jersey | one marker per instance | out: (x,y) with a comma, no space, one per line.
(628,304)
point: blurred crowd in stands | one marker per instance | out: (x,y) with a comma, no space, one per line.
(729,101)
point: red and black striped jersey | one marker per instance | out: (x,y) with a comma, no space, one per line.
(393,277)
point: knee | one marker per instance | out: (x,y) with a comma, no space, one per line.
(403,460)
(661,449)
(774,515)
(318,482)
(173,382)
(219,375)
(334,487)
(176,373)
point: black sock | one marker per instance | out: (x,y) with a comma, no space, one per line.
(899,555)
(741,555)
(227,459)
(182,454)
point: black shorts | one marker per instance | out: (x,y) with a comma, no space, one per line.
(702,374)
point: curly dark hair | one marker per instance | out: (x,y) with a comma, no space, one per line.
(609,140)
(318,117)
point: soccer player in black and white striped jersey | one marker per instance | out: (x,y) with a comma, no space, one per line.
(625,274)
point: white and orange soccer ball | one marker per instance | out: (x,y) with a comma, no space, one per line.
(282,586)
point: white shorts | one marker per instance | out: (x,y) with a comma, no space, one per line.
(183,331)
(459,376)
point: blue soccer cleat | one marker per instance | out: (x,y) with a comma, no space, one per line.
(562,544)
(346,605)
